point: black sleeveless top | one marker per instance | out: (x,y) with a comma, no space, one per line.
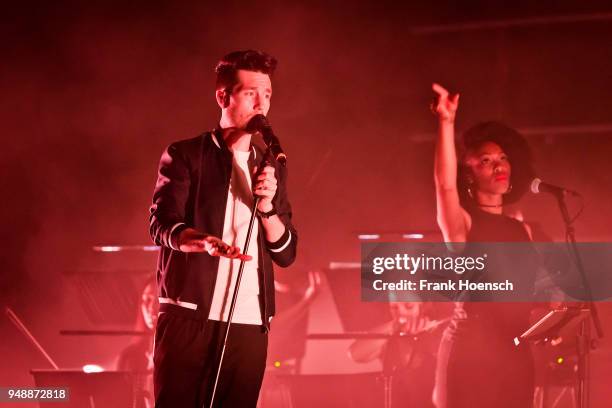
(507,318)
(487,227)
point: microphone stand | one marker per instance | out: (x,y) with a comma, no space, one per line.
(584,341)
(256,200)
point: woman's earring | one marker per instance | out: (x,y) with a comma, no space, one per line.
(509,189)
(469,191)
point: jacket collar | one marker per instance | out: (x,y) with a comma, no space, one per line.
(220,143)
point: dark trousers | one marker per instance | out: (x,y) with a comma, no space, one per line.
(186,356)
(477,368)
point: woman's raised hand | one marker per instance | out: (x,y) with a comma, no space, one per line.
(445,105)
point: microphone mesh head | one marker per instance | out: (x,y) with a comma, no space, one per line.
(257,123)
(535,185)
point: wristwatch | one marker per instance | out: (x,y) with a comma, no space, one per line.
(267,214)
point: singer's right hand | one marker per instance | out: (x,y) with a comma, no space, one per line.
(445,107)
(190,240)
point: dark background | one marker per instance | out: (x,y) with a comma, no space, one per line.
(91,94)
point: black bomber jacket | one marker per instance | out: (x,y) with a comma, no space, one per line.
(191,191)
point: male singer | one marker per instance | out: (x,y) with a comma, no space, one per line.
(200,214)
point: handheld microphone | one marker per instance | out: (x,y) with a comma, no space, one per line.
(538,186)
(259,123)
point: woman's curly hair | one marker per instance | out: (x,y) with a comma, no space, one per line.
(512,143)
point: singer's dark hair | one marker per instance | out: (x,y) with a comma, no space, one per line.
(512,143)
(248,60)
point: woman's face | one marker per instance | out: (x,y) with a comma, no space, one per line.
(490,169)
(149,306)
(404,310)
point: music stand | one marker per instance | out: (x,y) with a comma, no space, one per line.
(556,323)
(564,323)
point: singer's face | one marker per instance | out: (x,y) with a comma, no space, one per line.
(490,168)
(251,96)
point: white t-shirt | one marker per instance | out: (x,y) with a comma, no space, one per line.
(235,226)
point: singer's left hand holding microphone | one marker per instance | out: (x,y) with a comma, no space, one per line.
(265,188)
